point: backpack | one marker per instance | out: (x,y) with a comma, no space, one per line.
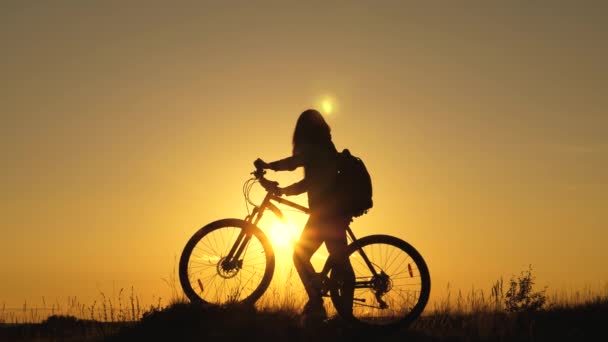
(353,185)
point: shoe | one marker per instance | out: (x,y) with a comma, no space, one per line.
(314,310)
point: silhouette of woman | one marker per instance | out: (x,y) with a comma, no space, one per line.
(314,150)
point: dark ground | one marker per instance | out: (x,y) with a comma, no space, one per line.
(186,322)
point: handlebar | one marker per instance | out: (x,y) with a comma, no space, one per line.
(258,173)
(268,185)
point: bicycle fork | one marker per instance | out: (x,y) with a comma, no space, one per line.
(233,258)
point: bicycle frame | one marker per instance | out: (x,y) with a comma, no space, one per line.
(256,215)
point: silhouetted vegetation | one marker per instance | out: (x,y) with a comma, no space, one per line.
(60,328)
(520,297)
(191,322)
(518,314)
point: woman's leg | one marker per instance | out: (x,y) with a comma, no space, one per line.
(336,243)
(307,245)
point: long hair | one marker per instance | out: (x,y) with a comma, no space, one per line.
(311,129)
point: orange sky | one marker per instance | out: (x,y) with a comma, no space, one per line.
(125,128)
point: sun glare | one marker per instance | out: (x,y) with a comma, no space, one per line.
(281,234)
(327,106)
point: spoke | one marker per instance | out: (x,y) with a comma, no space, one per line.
(219,285)
(405,290)
(406,277)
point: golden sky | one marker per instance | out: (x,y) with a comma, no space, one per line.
(128,125)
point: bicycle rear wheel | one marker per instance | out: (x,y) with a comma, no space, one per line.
(392,297)
(207,276)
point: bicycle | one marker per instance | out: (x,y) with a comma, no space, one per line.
(231,261)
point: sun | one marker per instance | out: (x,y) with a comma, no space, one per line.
(281,234)
(327,106)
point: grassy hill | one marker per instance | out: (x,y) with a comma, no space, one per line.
(188,322)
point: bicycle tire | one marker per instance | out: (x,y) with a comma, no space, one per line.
(204,280)
(409,280)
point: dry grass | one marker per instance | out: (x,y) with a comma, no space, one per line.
(127,306)
(122,307)
(473,315)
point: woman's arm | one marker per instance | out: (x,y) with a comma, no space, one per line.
(287,164)
(295,188)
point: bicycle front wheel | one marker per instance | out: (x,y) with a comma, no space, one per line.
(392,283)
(207,275)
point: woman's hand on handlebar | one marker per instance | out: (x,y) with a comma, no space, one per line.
(271,186)
(260,164)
